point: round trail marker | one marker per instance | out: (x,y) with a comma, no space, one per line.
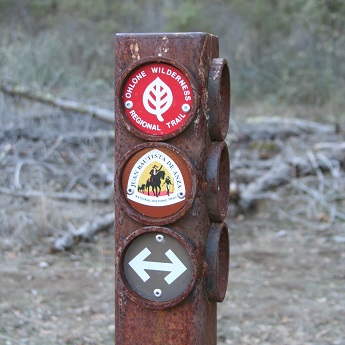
(157,98)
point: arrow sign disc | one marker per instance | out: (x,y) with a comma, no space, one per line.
(158,266)
(176,267)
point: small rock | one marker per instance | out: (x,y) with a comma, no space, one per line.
(43,264)
(339,239)
(281,233)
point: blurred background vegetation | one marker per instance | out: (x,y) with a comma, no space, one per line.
(281,52)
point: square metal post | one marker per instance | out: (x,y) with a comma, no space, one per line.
(172,99)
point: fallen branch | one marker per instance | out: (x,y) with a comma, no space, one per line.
(330,146)
(268,128)
(64,104)
(319,198)
(336,151)
(82,197)
(84,233)
(279,175)
(282,173)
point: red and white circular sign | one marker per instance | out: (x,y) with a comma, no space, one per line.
(157,98)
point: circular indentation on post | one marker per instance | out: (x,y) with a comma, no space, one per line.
(219,95)
(217,258)
(157,275)
(156,98)
(218,181)
(157,183)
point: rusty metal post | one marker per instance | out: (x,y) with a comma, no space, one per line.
(172,103)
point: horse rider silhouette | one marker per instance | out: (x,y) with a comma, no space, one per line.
(154,171)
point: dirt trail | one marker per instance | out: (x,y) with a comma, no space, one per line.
(286,286)
(287,275)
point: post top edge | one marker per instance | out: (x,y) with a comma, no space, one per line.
(162,34)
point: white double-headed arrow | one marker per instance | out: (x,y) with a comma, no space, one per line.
(139,265)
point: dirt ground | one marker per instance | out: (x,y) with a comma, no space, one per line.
(286,283)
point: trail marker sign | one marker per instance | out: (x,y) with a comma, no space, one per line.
(157,98)
(157,267)
(172,106)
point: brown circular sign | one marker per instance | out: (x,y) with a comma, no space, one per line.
(157,181)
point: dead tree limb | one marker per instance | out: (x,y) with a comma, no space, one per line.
(82,197)
(278,175)
(330,146)
(64,104)
(283,171)
(84,233)
(336,150)
(268,128)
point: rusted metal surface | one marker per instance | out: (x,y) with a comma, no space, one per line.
(218,180)
(190,318)
(217,258)
(219,99)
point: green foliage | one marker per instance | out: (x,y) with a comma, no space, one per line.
(42,8)
(294,51)
(6,6)
(268,21)
(285,51)
(183,15)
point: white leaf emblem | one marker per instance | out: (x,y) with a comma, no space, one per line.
(157,98)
